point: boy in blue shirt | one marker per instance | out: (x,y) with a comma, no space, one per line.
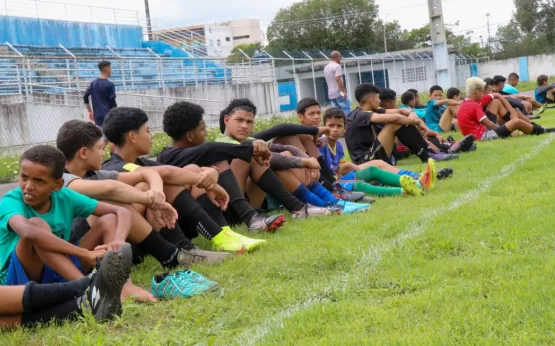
(36,223)
(440,112)
(358,177)
(545,93)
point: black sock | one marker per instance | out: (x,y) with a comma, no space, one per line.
(193,218)
(327,177)
(66,311)
(213,211)
(37,297)
(538,130)
(237,200)
(412,139)
(270,184)
(176,237)
(161,249)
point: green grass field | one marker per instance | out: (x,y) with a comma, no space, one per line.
(471,262)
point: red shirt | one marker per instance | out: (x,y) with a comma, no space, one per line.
(470,118)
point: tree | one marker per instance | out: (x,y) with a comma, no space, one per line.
(536,16)
(249,48)
(327,24)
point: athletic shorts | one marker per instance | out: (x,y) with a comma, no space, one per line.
(500,132)
(16,274)
(350,185)
(376,152)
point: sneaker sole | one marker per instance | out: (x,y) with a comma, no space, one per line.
(276,224)
(433,173)
(112,275)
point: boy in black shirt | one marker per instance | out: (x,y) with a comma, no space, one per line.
(103,94)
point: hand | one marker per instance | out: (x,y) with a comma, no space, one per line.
(344,94)
(91,117)
(497,96)
(165,216)
(311,163)
(218,196)
(440,138)
(208,177)
(264,159)
(323,130)
(90,257)
(415,120)
(260,147)
(155,199)
(114,245)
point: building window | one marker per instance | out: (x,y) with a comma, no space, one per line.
(416,74)
(241,37)
(218,42)
(227,39)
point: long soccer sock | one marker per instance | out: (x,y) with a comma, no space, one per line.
(176,237)
(192,216)
(237,200)
(538,130)
(66,311)
(374,173)
(322,193)
(270,184)
(412,139)
(327,177)
(411,174)
(161,249)
(213,211)
(307,196)
(370,189)
(40,296)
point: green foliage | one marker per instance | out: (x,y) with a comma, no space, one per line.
(250,49)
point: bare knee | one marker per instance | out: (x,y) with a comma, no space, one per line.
(193,168)
(143,186)
(286,153)
(106,223)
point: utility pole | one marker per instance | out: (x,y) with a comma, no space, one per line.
(384,32)
(148,24)
(489,35)
(439,43)
(482,40)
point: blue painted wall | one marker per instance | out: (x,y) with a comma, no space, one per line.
(523,68)
(46,32)
(288,96)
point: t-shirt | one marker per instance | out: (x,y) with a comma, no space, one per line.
(91,175)
(116,163)
(66,205)
(332,71)
(470,119)
(359,135)
(103,95)
(334,156)
(433,115)
(510,90)
(421,112)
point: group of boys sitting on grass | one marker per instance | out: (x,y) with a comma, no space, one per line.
(71,231)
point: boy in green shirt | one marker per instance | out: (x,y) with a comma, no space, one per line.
(36,221)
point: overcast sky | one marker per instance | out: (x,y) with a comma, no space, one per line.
(471,14)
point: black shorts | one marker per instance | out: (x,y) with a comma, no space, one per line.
(492,117)
(377,152)
(79,228)
(503,132)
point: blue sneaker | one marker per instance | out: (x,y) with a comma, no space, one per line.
(348,208)
(183,284)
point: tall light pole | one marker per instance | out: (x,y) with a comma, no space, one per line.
(148,24)
(489,35)
(439,43)
(384,32)
(482,40)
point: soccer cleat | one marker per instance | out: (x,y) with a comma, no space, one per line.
(428,178)
(230,241)
(540,110)
(444,157)
(103,294)
(451,140)
(474,147)
(260,223)
(183,284)
(368,200)
(409,185)
(444,173)
(194,255)
(533,117)
(463,145)
(348,208)
(310,211)
(341,193)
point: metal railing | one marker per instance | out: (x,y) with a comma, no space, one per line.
(45,9)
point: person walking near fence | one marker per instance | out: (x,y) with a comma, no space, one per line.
(102,93)
(336,88)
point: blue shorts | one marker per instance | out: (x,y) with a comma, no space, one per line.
(348,176)
(16,274)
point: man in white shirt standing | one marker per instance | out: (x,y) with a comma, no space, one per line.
(336,88)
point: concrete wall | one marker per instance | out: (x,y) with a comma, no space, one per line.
(219,39)
(47,32)
(497,67)
(541,64)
